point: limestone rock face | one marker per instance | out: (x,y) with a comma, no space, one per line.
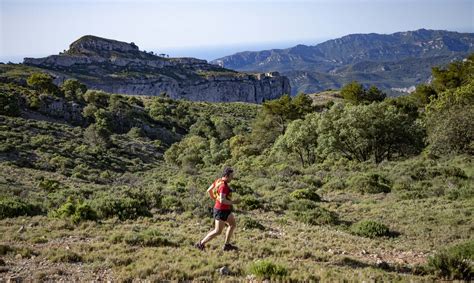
(66,110)
(120,67)
(89,44)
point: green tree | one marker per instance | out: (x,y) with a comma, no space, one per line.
(353,92)
(241,146)
(97,97)
(189,153)
(98,136)
(450,121)
(356,93)
(273,120)
(302,104)
(42,82)
(224,129)
(454,75)
(424,93)
(376,131)
(374,94)
(73,89)
(203,127)
(301,138)
(280,110)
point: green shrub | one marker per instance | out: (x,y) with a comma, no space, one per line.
(462,192)
(171,204)
(77,212)
(13,207)
(146,238)
(80,171)
(123,207)
(66,210)
(9,104)
(312,181)
(64,256)
(265,269)
(306,194)
(4,249)
(371,183)
(84,212)
(241,189)
(135,133)
(250,223)
(302,205)
(25,252)
(334,184)
(455,262)
(41,140)
(49,185)
(42,82)
(369,229)
(97,135)
(250,202)
(420,170)
(316,216)
(73,89)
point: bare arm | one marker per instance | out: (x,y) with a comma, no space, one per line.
(210,192)
(223,199)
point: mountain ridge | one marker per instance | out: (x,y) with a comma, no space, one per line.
(439,47)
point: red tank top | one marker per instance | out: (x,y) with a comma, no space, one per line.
(225,190)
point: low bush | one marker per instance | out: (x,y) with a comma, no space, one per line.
(421,169)
(146,238)
(461,192)
(4,249)
(455,262)
(42,140)
(123,207)
(250,202)
(302,205)
(372,183)
(334,184)
(312,181)
(316,216)
(171,204)
(369,229)
(49,185)
(241,189)
(250,223)
(63,256)
(13,207)
(265,269)
(305,194)
(75,211)
(9,104)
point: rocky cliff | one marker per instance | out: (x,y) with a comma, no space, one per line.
(120,67)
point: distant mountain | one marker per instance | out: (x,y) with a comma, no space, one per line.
(120,67)
(398,60)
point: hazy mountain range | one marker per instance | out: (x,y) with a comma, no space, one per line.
(394,61)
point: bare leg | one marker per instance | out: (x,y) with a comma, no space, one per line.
(230,230)
(217,231)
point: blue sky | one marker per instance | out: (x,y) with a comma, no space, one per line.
(211,28)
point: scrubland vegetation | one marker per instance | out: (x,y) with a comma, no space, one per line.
(365,187)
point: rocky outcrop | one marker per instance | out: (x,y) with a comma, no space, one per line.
(59,108)
(120,67)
